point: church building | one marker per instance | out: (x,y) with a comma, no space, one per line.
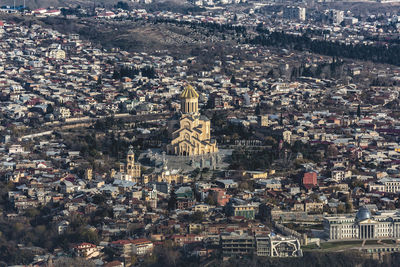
(191,131)
(131,169)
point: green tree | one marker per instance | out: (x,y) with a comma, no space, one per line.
(133,260)
(349,207)
(172,200)
(122,5)
(197,217)
(258,110)
(233,79)
(341,208)
(32,212)
(210,200)
(49,109)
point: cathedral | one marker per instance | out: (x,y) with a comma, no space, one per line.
(190,132)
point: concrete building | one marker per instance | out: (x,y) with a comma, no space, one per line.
(336,16)
(263,120)
(287,136)
(86,250)
(246,210)
(262,246)
(389,185)
(219,196)
(392,185)
(63,112)
(237,244)
(310,179)
(296,13)
(142,247)
(57,54)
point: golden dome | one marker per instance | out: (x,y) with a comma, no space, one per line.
(189,92)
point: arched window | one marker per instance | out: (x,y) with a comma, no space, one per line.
(187,137)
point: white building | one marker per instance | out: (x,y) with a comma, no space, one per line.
(363,225)
(16,149)
(287,136)
(57,54)
(392,185)
(142,247)
(63,112)
(389,185)
(337,16)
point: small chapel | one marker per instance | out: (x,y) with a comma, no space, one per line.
(190,132)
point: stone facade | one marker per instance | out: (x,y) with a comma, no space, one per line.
(385,225)
(131,168)
(192,137)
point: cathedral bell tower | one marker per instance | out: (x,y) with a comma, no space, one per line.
(189,101)
(130,160)
(132,168)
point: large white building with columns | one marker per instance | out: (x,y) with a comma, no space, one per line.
(383,225)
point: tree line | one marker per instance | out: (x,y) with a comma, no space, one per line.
(376,53)
(131,72)
(381,54)
(209,25)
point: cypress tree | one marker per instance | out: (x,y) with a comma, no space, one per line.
(172,200)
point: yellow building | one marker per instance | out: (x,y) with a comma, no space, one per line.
(166,176)
(131,168)
(195,228)
(89,174)
(193,134)
(256,174)
(246,210)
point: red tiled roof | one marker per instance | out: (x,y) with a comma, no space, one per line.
(140,241)
(84,244)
